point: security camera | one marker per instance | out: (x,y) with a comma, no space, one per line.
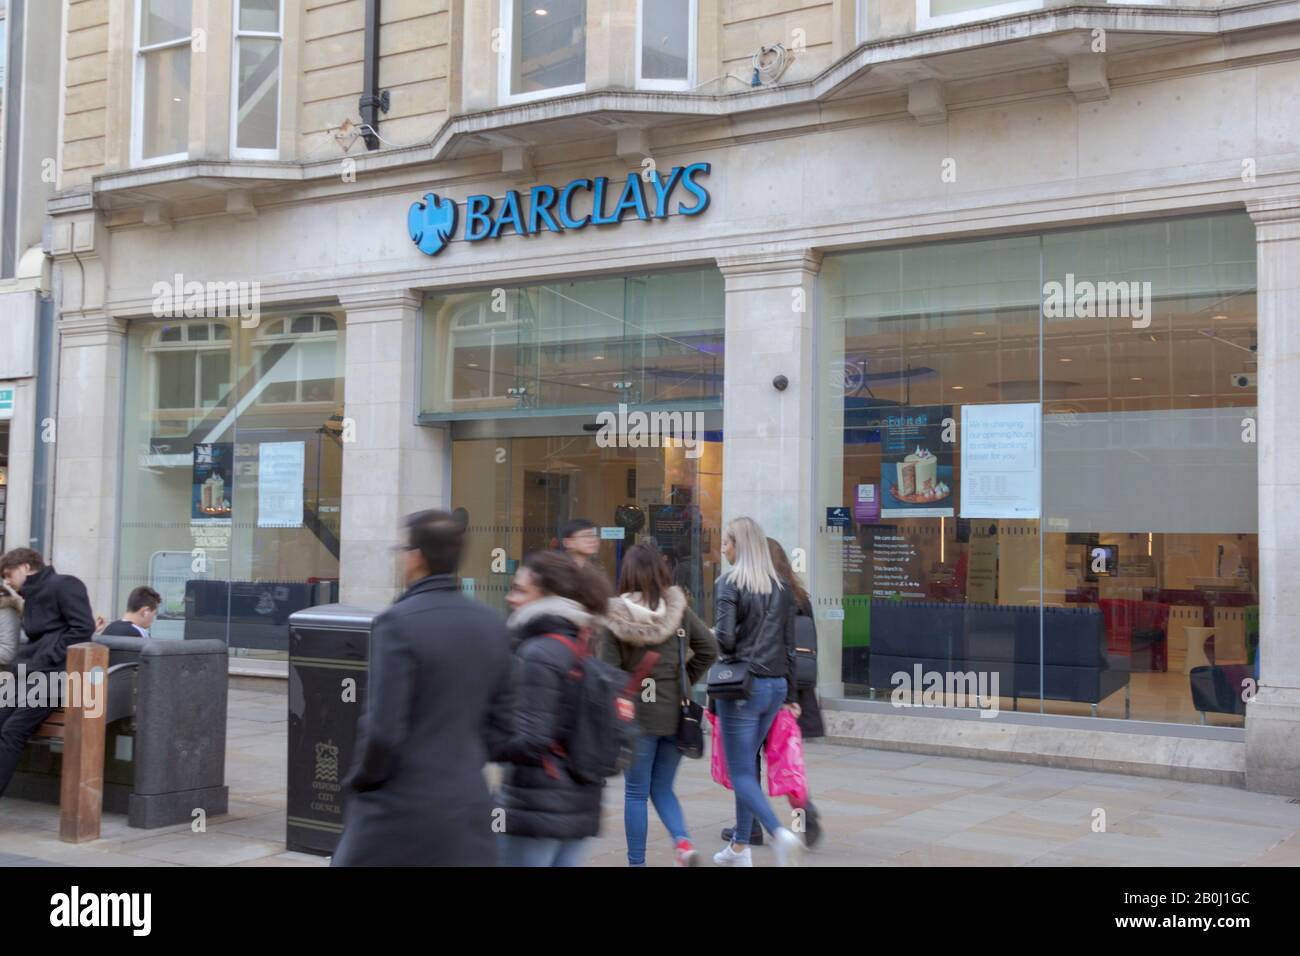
(780,383)
(1244,379)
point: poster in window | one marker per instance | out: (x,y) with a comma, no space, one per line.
(212,485)
(280,466)
(916,473)
(1001,461)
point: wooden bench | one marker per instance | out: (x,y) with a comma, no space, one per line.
(81,730)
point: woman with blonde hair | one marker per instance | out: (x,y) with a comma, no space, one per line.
(755,628)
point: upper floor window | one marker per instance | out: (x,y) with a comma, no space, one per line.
(162,80)
(255,99)
(297,360)
(665,48)
(545,48)
(191,365)
(932,14)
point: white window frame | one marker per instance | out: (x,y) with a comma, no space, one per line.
(508,323)
(265,340)
(248,152)
(506,23)
(137,91)
(924,21)
(195,349)
(691,52)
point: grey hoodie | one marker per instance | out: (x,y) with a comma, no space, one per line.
(11,622)
(632,629)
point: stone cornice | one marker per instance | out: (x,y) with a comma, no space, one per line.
(364,304)
(766,262)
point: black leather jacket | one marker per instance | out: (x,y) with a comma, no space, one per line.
(759,629)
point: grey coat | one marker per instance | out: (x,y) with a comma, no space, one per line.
(436,704)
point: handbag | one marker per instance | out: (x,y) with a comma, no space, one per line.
(730,680)
(805,653)
(690,735)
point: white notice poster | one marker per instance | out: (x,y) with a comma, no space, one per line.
(279,484)
(1001,461)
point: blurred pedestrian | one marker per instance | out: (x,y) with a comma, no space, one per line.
(651,613)
(580,540)
(437,702)
(548,811)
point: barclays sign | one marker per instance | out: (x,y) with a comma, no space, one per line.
(432,222)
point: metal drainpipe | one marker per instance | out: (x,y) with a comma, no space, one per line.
(373,101)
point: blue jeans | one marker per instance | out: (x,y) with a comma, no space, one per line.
(744,725)
(541,851)
(651,775)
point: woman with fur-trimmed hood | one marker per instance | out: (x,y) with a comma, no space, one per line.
(651,614)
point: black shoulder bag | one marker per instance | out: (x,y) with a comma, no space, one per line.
(690,735)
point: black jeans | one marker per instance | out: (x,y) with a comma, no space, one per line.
(17,724)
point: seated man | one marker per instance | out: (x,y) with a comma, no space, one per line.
(141,608)
(56,615)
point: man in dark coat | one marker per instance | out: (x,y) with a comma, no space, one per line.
(437,703)
(56,615)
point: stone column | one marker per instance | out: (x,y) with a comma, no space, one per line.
(767,470)
(1273,717)
(87,431)
(391,465)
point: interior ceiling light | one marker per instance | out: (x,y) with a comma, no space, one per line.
(1065,360)
(979,333)
(1220,318)
(958,387)
(541,11)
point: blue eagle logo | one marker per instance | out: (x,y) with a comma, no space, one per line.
(431,223)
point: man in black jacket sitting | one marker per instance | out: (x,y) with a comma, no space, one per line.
(56,615)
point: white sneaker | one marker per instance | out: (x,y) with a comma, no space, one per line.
(788,848)
(729,857)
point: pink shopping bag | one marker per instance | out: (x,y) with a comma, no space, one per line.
(717,759)
(784,755)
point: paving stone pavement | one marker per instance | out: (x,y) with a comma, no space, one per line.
(878,808)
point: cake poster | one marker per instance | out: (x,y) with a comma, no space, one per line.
(916,472)
(211,484)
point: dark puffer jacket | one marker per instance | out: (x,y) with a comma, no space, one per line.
(539,795)
(632,629)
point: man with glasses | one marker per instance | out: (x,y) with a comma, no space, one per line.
(580,540)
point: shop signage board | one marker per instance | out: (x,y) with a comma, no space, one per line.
(433,221)
(6,403)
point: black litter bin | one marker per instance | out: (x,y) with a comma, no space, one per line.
(328,652)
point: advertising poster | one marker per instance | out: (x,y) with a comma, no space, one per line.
(212,484)
(916,473)
(866,503)
(279,484)
(1001,461)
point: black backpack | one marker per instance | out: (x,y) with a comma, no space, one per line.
(604,727)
